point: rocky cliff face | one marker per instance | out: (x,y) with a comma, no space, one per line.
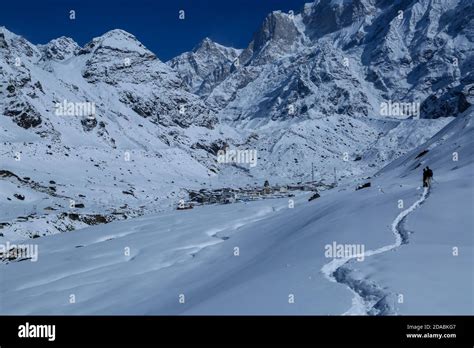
(205,66)
(359,51)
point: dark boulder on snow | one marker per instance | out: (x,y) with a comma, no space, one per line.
(362,186)
(20,197)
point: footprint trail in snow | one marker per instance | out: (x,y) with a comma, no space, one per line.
(369,298)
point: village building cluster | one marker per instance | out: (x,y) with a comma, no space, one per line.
(227,195)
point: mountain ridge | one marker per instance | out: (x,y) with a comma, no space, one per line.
(296,96)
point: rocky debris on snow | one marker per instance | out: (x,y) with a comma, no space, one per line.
(362,186)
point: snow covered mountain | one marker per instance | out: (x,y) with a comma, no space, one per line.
(116,144)
(205,66)
(320,64)
(336,59)
(347,57)
(306,92)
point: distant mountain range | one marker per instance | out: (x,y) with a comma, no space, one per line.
(308,89)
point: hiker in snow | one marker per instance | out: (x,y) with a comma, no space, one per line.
(429,176)
(425,177)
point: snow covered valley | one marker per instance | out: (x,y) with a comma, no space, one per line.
(267,258)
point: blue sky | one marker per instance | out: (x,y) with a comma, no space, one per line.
(154,22)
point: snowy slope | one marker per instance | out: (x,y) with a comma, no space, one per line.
(305,94)
(281,251)
(134,156)
(438,243)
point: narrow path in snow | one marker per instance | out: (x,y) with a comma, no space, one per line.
(369,298)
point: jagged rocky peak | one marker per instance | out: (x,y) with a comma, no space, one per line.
(117,56)
(326,17)
(205,66)
(205,44)
(278,35)
(6,36)
(117,40)
(59,49)
(14,46)
(208,46)
(277,27)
